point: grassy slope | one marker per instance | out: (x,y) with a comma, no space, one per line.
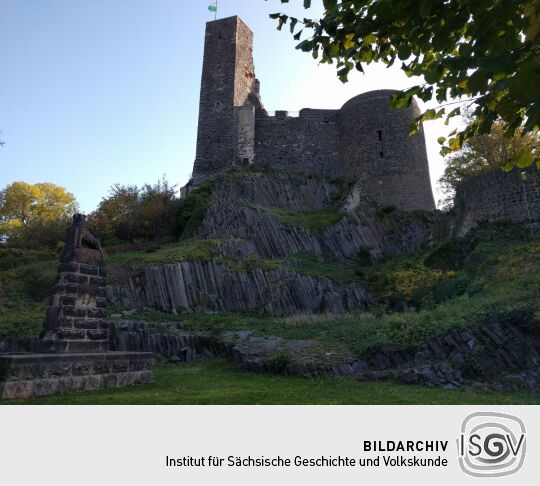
(187,250)
(492,276)
(216,382)
(24,290)
(313,221)
(497,280)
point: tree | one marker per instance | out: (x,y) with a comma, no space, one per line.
(113,219)
(485,51)
(34,214)
(156,209)
(130,213)
(482,153)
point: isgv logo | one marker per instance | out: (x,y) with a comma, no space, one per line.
(491,444)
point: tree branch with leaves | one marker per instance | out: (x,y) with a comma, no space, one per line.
(483,51)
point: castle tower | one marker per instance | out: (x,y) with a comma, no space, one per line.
(389,166)
(229,95)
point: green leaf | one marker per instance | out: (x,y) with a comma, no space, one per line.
(507,166)
(445,151)
(402,99)
(369,39)
(282,20)
(344,74)
(404,52)
(432,114)
(454,143)
(366,55)
(434,74)
(292,24)
(349,43)
(523,159)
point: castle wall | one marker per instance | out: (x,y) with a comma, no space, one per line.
(497,195)
(306,143)
(390,166)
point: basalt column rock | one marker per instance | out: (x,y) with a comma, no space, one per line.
(75,319)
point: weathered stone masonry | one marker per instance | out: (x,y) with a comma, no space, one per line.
(365,142)
(390,166)
(228,83)
(497,195)
(305,143)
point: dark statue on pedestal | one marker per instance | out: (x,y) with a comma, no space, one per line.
(73,350)
(75,319)
(78,236)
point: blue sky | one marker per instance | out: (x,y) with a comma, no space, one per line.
(98,92)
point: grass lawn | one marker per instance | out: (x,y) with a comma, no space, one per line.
(216,382)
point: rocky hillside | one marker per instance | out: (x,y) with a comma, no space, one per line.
(291,274)
(265,232)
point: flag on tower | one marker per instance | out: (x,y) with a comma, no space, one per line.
(213,7)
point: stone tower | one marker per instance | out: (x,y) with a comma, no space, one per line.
(389,166)
(229,96)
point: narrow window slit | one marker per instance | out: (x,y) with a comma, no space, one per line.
(380,143)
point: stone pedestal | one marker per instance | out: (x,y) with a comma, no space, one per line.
(33,375)
(75,319)
(72,352)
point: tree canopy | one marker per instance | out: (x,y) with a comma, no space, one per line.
(131,213)
(34,214)
(485,51)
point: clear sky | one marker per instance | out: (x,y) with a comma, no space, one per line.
(98,92)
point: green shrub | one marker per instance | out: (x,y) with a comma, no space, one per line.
(522,315)
(446,289)
(16,257)
(280,361)
(192,210)
(38,282)
(422,296)
(448,256)
(476,365)
(396,302)
(23,319)
(135,214)
(371,345)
